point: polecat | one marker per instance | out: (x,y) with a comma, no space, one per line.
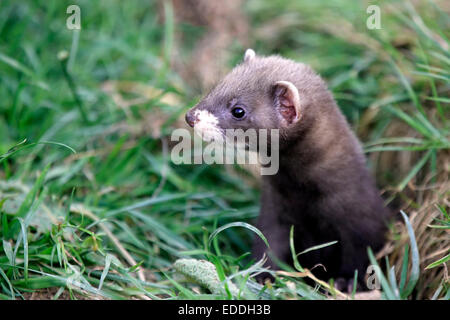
(323,187)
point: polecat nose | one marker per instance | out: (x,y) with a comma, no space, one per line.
(190,118)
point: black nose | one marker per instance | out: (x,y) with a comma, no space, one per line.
(190,119)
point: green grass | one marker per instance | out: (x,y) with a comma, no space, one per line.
(88,194)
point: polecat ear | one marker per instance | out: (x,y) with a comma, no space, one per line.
(287,101)
(249,55)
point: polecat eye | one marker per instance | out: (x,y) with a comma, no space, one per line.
(238,112)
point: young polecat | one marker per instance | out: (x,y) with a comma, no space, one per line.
(323,187)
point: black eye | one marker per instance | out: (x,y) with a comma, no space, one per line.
(238,112)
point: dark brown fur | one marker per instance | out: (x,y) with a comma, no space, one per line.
(323,187)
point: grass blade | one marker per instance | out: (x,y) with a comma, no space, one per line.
(414,171)
(415,260)
(438,262)
(238,224)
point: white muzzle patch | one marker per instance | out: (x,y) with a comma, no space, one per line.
(206,126)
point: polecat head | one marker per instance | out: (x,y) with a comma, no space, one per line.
(260,93)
